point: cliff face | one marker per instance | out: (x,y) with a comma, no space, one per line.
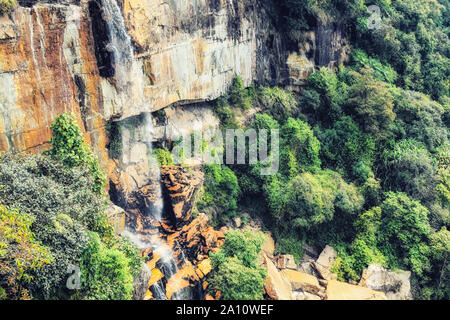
(115,60)
(55,58)
(47,66)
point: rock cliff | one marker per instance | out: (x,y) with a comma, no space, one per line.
(115,60)
(57,57)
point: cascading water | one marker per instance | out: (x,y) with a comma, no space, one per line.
(129,80)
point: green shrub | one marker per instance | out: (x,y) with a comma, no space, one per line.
(20,254)
(290,245)
(372,103)
(221,192)
(380,71)
(236,272)
(69,147)
(163,156)
(105,272)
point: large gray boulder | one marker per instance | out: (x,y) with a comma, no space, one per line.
(395,284)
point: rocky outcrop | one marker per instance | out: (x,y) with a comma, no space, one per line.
(324,263)
(198,238)
(54,58)
(180,188)
(48,66)
(191,50)
(287,280)
(395,284)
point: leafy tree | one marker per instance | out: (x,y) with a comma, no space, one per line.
(325,84)
(312,199)
(440,251)
(410,168)
(345,145)
(69,147)
(372,103)
(20,254)
(237,273)
(221,192)
(105,272)
(163,156)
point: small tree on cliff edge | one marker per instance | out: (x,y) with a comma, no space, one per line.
(69,147)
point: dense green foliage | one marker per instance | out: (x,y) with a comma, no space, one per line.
(69,147)
(20,254)
(163,156)
(221,192)
(364,167)
(62,207)
(237,273)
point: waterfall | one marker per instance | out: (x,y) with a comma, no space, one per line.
(130,80)
(155,174)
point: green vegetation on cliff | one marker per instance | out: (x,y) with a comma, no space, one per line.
(56,211)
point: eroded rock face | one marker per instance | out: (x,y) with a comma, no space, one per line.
(47,66)
(54,58)
(180,188)
(191,50)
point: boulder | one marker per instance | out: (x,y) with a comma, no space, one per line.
(396,285)
(300,295)
(286,261)
(327,257)
(306,267)
(337,290)
(276,287)
(324,263)
(301,281)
